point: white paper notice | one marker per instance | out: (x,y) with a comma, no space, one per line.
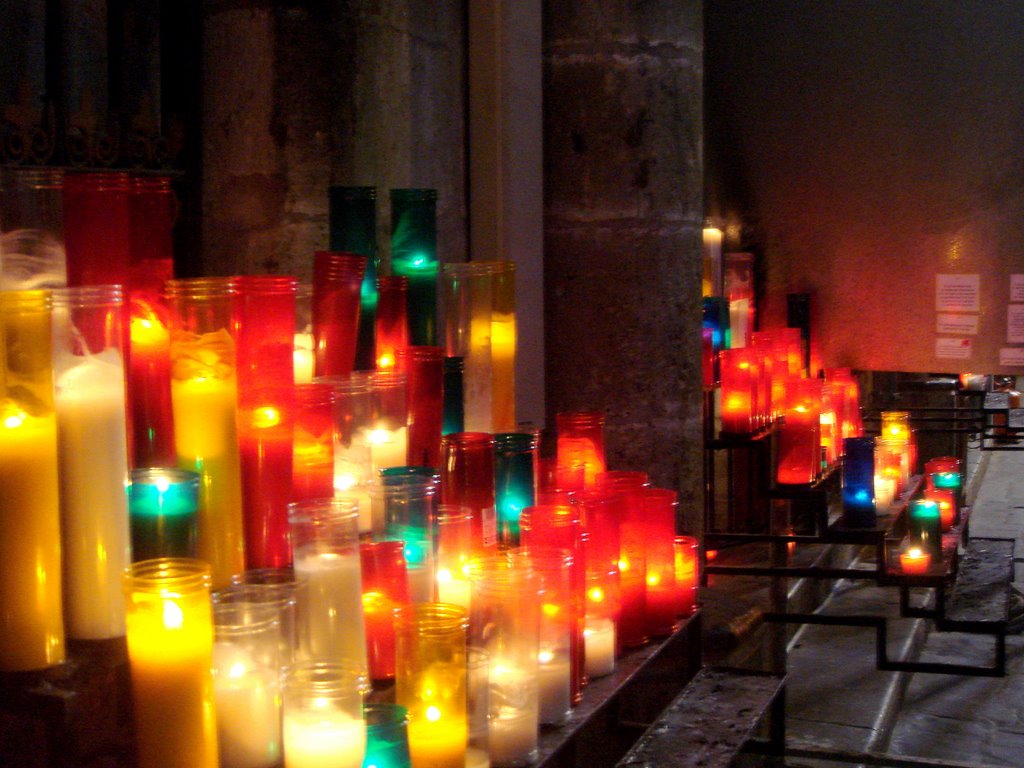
(1016,287)
(954,349)
(1011,356)
(1015,324)
(957,293)
(962,325)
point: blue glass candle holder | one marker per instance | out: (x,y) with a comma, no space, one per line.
(387,736)
(162,513)
(859,482)
(515,480)
(924,523)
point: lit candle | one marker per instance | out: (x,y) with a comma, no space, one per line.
(94,508)
(149,384)
(599,647)
(711,282)
(513,726)
(554,693)
(248,709)
(452,588)
(303,357)
(162,505)
(326,739)
(388,447)
(333,587)
(170,655)
(925,525)
(737,376)
(503,364)
(686,550)
(885,491)
(352,473)
(915,561)
(438,743)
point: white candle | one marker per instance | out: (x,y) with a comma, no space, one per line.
(512,728)
(303,358)
(323,739)
(451,589)
(599,647)
(388,448)
(421,583)
(554,695)
(885,488)
(248,709)
(477,758)
(332,606)
(90,404)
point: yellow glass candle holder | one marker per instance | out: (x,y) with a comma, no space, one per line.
(204,398)
(170,655)
(430,682)
(31,621)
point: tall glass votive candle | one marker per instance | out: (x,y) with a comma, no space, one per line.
(945,472)
(424,371)
(392,323)
(405,507)
(430,682)
(453,535)
(246,670)
(560,624)
(515,479)
(387,736)
(353,409)
(204,393)
(467,480)
(325,539)
(799,459)
(322,723)
(93,440)
(896,425)
(388,435)
(687,562)
(505,626)
(163,507)
(581,441)
(629,486)
(924,523)
(659,512)
(414,256)
(503,346)
(889,464)
(97,228)
(283,592)
(469,307)
(313,447)
(170,656)
(353,229)
(946,499)
(33,208)
(385,590)
(602,521)
(859,482)
(31,622)
(266,413)
(739,390)
(153,209)
(337,281)
(302,344)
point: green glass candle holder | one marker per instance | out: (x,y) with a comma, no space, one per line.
(515,474)
(925,525)
(162,512)
(414,256)
(387,736)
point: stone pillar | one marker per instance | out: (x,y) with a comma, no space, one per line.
(623,213)
(301,95)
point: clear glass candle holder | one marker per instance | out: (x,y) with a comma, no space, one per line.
(322,722)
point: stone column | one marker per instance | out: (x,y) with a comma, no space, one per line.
(623,213)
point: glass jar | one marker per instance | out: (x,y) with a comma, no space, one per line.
(337,281)
(580,442)
(352,215)
(414,256)
(515,475)
(313,449)
(322,723)
(424,371)
(163,508)
(467,480)
(392,325)
(32,229)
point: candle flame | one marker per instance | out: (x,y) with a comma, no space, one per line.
(266,417)
(433,714)
(174,617)
(545,657)
(385,361)
(596,595)
(380,436)
(444,576)
(15,420)
(653,579)
(914,552)
(623,565)
(237,670)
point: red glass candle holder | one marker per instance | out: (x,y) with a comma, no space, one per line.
(799,436)
(265,317)
(629,485)
(831,407)
(580,442)
(385,590)
(313,449)
(660,528)
(763,345)
(467,480)
(424,371)
(914,560)
(149,382)
(97,228)
(392,320)
(739,390)
(793,346)
(602,525)
(337,280)
(687,562)
(946,499)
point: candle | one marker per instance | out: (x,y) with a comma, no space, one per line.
(323,739)
(925,525)
(513,726)
(170,656)
(332,587)
(581,442)
(93,444)
(515,474)
(885,491)
(414,255)
(248,709)
(738,379)
(599,647)
(915,561)
(452,588)
(554,689)
(503,346)
(149,384)
(162,505)
(302,357)
(438,744)
(859,482)
(387,736)
(711,282)
(31,620)
(313,448)
(388,447)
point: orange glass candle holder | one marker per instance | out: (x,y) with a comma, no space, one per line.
(739,390)
(915,561)
(661,597)
(799,459)
(580,441)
